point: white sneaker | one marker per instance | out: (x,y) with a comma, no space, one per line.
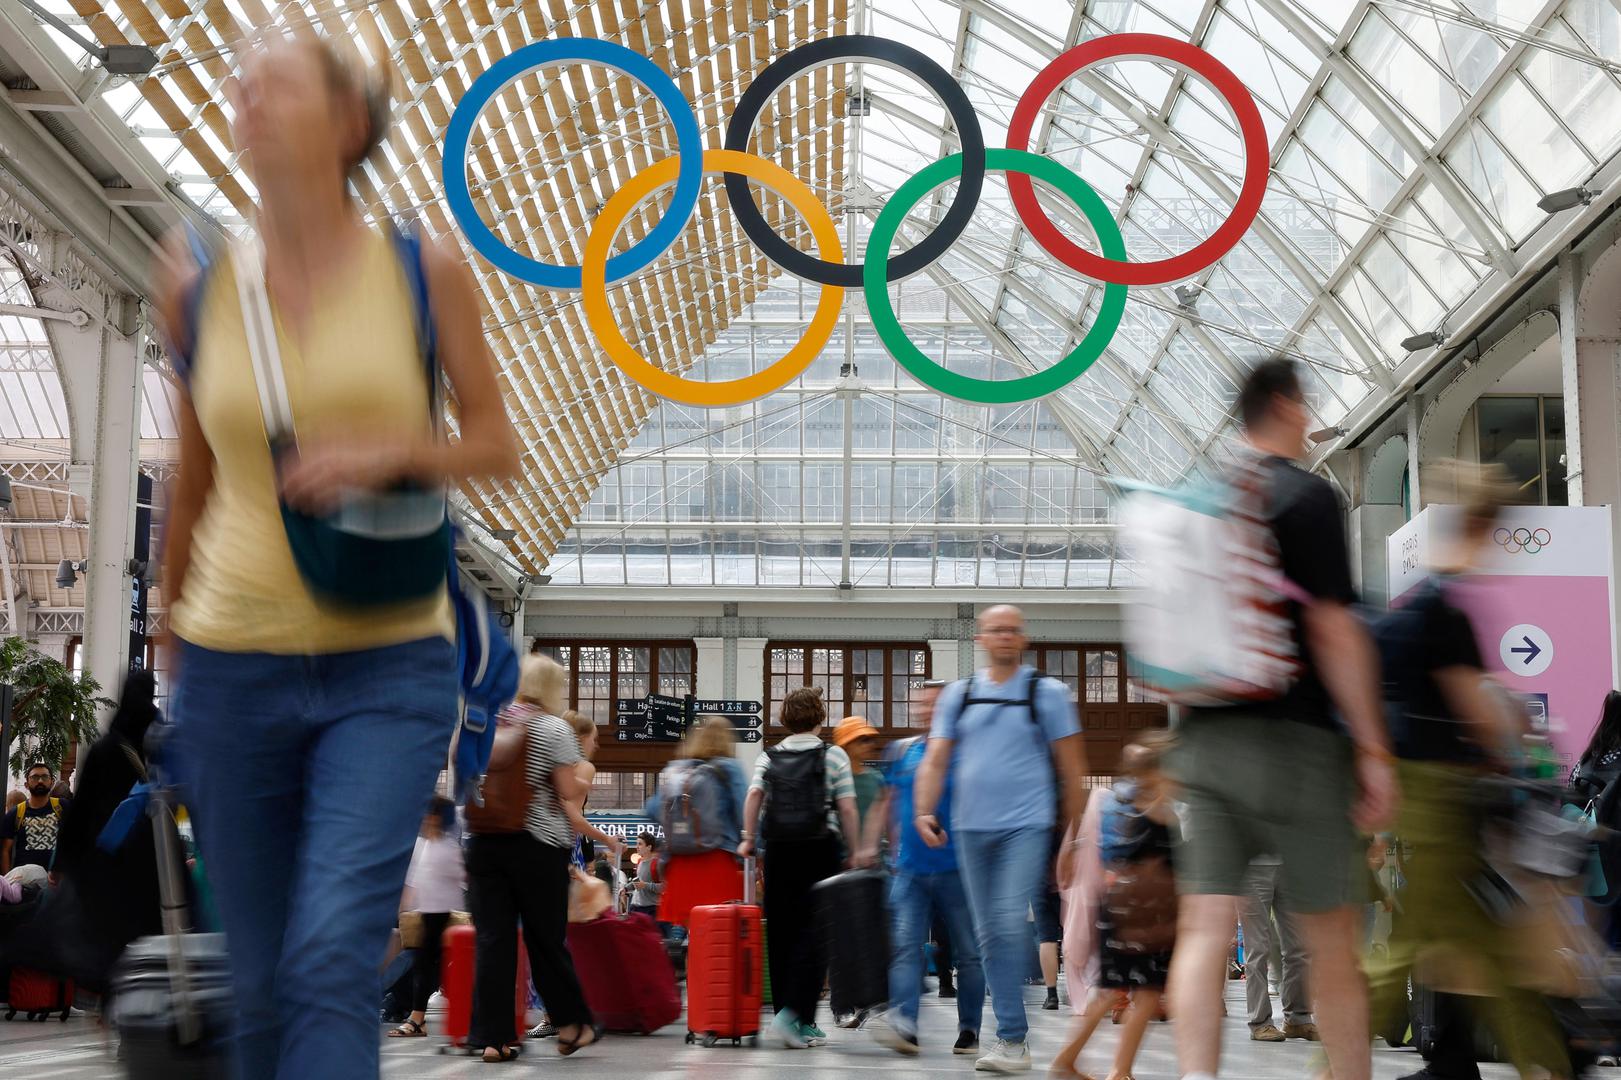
(1005,1057)
(785,1028)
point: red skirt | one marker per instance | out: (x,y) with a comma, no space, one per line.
(690,881)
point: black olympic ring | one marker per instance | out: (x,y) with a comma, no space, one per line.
(891,54)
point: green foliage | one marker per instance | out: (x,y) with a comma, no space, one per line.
(52,709)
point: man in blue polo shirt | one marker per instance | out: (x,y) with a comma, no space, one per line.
(1010,743)
(924,885)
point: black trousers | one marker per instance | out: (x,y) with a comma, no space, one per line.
(798,962)
(942,946)
(512,877)
(425,968)
(1453,1055)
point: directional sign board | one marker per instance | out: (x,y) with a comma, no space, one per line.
(727,708)
(654,718)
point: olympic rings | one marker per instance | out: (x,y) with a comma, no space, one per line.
(967,387)
(1221,79)
(1530,541)
(594,295)
(892,54)
(688,140)
(687,168)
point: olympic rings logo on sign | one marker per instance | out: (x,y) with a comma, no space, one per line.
(598,268)
(1529,541)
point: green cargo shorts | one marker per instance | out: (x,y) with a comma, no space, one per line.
(1254,786)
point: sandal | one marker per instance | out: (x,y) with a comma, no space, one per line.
(411,1029)
(502,1054)
(566,1047)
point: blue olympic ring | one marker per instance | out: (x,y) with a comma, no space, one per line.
(458,135)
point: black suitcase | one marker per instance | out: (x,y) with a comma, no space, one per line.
(853,919)
(155,1041)
(170,993)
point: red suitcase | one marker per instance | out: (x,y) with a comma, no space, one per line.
(38,995)
(456,980)
(725,970)
(625,973)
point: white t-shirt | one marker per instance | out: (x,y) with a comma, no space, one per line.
(437,875)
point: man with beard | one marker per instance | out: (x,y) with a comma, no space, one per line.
(28,833)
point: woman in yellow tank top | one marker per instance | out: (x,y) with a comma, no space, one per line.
(311,734)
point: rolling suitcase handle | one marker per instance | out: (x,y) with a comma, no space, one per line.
(748,881)
(176,920)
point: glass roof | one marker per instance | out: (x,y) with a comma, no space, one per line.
(1359,247)
(1410,141)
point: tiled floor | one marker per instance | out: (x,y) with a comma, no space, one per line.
(75,1050)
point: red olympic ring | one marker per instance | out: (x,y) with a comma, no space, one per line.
(1257,161)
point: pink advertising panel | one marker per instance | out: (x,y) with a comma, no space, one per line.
(1541,606)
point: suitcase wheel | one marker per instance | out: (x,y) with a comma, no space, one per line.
(11,1014)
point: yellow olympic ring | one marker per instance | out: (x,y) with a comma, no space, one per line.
(594,286)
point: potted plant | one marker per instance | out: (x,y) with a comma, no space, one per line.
(52,708)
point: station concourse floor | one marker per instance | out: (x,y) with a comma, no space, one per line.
(75,1050)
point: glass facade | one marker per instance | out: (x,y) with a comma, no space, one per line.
(1525,435)
(873,681)
(600,672)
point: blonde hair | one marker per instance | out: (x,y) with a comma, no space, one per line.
(711,738)
(1146,753)
(542,681)
(582,724)
(349,75)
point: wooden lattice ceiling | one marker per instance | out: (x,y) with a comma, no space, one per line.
(547,153)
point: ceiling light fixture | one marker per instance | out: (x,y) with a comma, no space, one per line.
(1187,296)
(1427,340)
(1323,435)
(1567,199)
(117,59)
(67,573)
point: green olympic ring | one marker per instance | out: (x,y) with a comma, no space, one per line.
(874,281)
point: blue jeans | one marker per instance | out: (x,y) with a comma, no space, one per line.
(914,900)
(1001,872)
(307,778)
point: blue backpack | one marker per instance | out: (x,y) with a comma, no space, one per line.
(486,664)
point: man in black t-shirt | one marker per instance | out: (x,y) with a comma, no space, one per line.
(1451,727)
(28,833)
(1290,777)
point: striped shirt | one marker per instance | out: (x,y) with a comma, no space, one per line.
(551,746)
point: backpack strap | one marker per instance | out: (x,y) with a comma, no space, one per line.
(22,811)
(1036,675)
(56,807)
(821,761)
(191,303)
(408,247)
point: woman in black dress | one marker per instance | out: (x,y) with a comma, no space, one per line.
(1136,919)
